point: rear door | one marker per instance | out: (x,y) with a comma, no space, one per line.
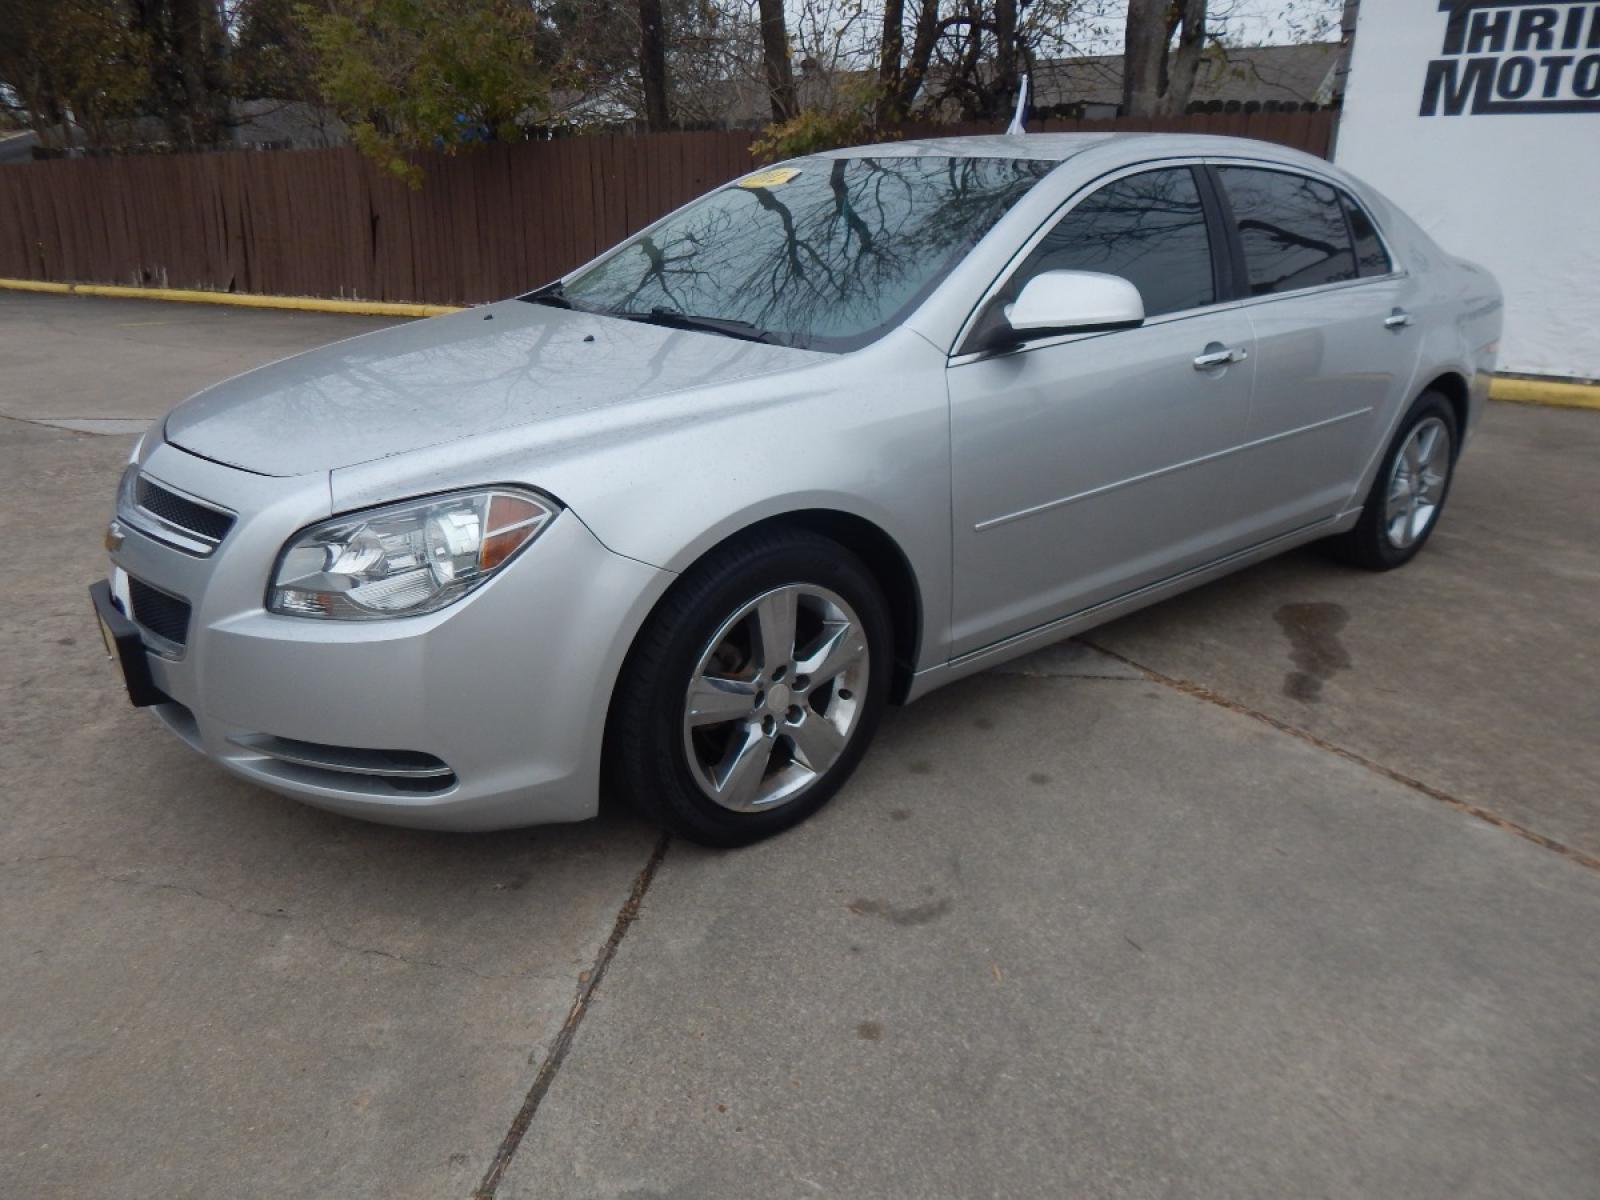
(1090,465)
(1335,343)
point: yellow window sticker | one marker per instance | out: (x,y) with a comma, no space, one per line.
(771,177)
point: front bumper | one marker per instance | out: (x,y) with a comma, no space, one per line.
(507,688)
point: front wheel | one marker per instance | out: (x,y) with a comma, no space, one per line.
(1412,484)
(752,691)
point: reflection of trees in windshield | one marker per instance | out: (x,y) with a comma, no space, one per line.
(1148,228)
(831,257)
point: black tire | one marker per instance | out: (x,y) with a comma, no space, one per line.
(1368,544)
(646,759)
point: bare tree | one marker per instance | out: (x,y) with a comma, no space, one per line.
(900,81)
(1157,81)
(775,59)
(653,66)
(978,58)
(844,69)
(188,67)
(1143,48)
(1184,64)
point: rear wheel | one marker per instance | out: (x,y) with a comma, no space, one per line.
(751,693)
(1409,492)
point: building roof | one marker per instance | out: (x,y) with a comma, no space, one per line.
(1058,147)
(1271,76)
(286,124)
(1281,75)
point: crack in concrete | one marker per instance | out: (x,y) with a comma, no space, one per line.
(29,859)
(1201,692)
(588,984)
(420,962)
(132,878)
(186,890)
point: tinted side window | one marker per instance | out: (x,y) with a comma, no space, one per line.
(1150,229)
(1371,258)
(1292,228)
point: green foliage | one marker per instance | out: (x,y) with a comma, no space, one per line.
(848,121)
(82,60)
(272,57)
(411,75)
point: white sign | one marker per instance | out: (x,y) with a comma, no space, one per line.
(1481,118)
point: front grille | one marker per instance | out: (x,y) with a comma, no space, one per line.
(163,615)
(187,514)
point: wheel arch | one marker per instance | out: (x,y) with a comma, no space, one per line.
(1453,386)
(878,551)
(882,556)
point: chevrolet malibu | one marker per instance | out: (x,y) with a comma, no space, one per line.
(681,524)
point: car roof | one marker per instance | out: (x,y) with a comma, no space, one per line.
(1058,147)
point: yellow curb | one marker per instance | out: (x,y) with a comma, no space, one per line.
(373,308)
(1545,391)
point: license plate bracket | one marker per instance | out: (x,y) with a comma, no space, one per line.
(125,647)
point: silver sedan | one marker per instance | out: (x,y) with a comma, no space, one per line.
(682,523)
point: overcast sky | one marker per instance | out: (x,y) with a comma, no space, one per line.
(1238,22)
(1264,23)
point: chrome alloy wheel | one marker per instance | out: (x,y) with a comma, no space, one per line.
(1416,483)
(775,697)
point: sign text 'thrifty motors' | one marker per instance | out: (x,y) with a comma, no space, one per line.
(1515,56)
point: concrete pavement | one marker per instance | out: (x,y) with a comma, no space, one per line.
(112,366)
(205,989)
(1475,670)
(1094,937)
(1072,931)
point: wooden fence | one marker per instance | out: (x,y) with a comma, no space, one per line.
(327,223)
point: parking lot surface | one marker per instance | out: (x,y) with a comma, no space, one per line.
(1290,886)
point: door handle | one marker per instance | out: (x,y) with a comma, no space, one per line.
(1219,357)
(1398,319)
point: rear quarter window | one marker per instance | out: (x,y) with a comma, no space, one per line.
(1371,257)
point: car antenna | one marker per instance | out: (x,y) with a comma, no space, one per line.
(1015,128)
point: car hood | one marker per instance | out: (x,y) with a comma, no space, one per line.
(487,369)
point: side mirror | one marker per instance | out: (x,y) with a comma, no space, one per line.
(1058,302)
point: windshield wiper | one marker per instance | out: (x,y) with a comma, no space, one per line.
(553,294)
(673,319)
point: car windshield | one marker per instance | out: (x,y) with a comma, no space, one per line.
(820,253)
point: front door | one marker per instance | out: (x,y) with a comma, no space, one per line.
(1090,466)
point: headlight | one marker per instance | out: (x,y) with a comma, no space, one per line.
(128,488)
(405,559)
